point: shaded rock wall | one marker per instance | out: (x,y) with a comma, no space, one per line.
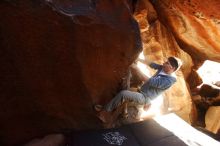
(57,59)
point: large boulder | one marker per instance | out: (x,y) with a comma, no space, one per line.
(57,59)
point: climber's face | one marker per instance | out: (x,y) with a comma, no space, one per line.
(168,68)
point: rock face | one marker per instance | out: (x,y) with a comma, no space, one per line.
(175,98)
(212,120)
(158,45)
(57,59)
(195,25)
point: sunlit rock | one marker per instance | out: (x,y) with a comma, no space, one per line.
(177,97)
(212,119)
(195,25)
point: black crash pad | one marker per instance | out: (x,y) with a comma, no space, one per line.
(145,133)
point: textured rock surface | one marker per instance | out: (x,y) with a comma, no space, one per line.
(57,58)
(212,119)
(158,44)
(162,47)
(195,25)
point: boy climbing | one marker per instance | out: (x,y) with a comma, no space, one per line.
(162,80)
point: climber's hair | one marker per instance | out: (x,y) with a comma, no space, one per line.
(175,62)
